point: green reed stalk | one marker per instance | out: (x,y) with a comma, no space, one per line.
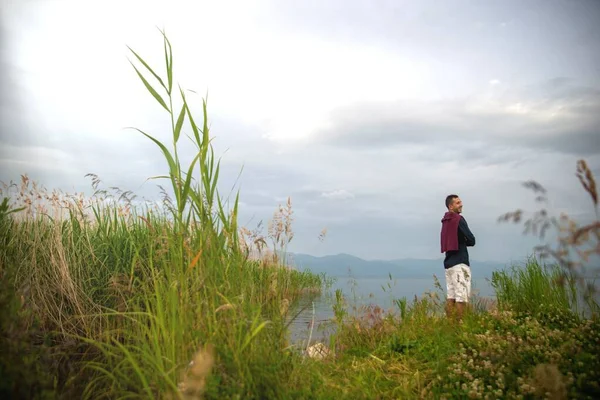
(195,200)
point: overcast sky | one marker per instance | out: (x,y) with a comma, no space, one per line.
(366,113)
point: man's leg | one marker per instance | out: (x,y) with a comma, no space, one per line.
(450,293)
(463,290)
(450,307)
(460,309)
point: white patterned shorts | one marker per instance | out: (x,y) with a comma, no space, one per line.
(458,283)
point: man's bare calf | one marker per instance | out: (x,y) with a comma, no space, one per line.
(455,309)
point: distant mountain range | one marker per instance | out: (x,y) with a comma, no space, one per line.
(345,265)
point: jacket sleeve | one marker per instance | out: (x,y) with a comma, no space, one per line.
(464,229)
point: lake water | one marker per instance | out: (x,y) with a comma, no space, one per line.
(360,291)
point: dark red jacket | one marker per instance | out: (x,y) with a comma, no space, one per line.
(449,235)
(456,237)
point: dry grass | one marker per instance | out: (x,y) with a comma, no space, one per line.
(279,233)
(548,382)
(193,382)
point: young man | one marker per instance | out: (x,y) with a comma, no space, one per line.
(455,238)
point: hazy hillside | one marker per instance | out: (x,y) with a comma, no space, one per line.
(346,264)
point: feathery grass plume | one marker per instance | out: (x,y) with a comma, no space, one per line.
(323,235)
(586,177)
(548,382)
(193,382)
(280,231)
(253,242)
(284,307)
(224,307)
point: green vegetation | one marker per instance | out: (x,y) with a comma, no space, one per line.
(104,297)
(536,290)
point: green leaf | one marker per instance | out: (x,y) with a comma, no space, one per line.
(204,131)
(179,123)
(168,61)
(188,180)
(191,118)
(158,177)
(170,161)
(221,211)
(255,332)
(197,200)
(136,367)
(151,89)
(147,67)
(15,210)
(215,179)
(234,228)
(206,184)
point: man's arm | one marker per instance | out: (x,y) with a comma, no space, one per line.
(464,228)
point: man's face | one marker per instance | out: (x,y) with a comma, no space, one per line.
(456,205)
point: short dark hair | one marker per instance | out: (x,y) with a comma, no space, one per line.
(449,199)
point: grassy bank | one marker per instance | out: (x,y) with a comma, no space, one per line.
(105,297)
(112,304)
(533,342)
(98,310)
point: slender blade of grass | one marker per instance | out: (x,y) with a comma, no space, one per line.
(158,177)
(179,124)
(147,67)
(188,180)
(191,119)
(205,143)
(136,367)
(168,62)
(170,161)
(151,89)
(255,332)
(213,186)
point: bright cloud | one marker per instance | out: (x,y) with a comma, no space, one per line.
(339,194)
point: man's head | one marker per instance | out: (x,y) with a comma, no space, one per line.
(454,203)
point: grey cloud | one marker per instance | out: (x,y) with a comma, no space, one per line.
(573,128)
(561,89)
(12,118)
(513,39)
(477,154)
(338,194)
